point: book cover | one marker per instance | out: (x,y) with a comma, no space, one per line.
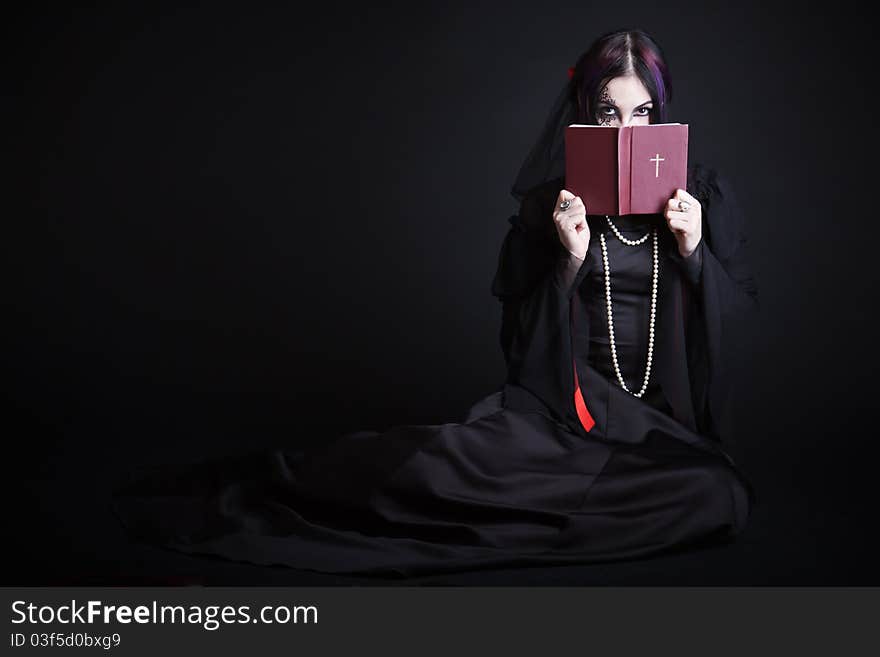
(626,170)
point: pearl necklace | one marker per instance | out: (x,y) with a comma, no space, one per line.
(654,282)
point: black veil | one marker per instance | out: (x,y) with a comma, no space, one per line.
(546,160)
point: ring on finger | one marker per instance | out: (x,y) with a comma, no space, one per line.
(683,206)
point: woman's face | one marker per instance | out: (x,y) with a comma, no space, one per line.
(624,101)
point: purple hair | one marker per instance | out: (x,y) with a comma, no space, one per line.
(615,54)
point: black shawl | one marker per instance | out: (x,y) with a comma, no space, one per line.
(544,321)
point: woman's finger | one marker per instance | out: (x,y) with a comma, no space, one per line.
(564,195)
(682,194)
(678,224)
(577,205)
(570,223)
(564,202)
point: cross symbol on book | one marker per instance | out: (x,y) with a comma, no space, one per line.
(658,160)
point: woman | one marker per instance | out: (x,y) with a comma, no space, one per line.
(604,442)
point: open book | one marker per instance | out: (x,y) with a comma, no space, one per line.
(627,170)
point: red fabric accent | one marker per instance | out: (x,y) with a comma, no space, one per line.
(584,416)
(570,72)
(587,421)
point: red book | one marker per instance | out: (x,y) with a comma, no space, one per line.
(629,170)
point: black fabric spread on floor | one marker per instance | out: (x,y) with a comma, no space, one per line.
(505,488)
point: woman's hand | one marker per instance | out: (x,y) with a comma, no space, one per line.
(685,221)
(571,224)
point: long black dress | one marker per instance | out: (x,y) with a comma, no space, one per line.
(522,479)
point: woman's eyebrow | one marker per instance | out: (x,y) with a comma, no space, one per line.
(610,104)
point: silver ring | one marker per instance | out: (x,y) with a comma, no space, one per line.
(683,206)
(565,205)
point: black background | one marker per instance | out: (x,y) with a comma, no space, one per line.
(238,227)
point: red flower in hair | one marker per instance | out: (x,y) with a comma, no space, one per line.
(570,72)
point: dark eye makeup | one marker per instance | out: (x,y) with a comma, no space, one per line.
(607,112)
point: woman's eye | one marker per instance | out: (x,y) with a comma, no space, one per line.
(643,111)
(607,111)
